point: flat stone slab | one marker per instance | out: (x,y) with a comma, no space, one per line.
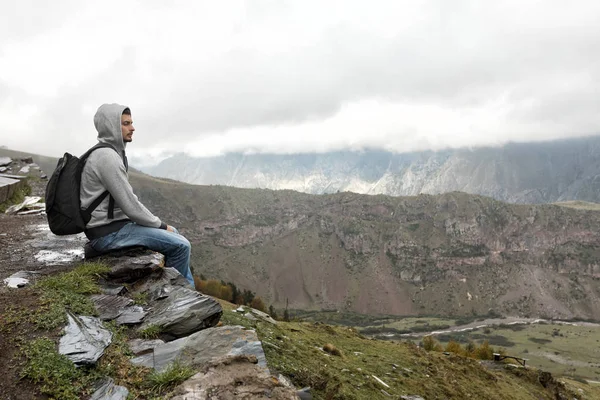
(233,377)
(141,346)
(109,391)
(131,316)
(254,314)
(5,161)
(25,204)
(85,340)
(110,307)
(183,312)
(205,346)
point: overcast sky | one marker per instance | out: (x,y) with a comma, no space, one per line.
(209,77)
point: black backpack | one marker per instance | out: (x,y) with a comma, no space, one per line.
(63,208)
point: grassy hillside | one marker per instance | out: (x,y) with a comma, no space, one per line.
(351,370)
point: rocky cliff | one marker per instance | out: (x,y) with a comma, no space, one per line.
(450,254)
(519,173)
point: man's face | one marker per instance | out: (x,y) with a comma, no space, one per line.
(127,128)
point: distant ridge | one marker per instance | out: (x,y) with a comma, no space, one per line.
(541,172)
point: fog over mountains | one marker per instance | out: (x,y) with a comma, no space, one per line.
(539,172)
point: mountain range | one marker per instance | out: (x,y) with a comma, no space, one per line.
(541,172)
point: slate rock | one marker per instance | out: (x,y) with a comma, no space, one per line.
(3,169)
(205,346)
(28,160)
(110,307)
(4,161)
(28,202)
(141,346)
(131,316)
(183,312)
(250,317)
(411,397)
(158,284)
(84,340)
(254,314)
(115,290)
(109,391)
(233,377)
(133,266)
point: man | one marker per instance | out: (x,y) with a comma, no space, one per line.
(121,220)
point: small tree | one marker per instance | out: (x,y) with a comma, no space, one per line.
(286,314)
(484,352)
(272,312)
(213,288)
(226,293)
(258,304)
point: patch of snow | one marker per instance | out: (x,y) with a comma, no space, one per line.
(15,282)
(49,256)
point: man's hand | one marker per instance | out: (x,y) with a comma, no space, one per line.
(171,229)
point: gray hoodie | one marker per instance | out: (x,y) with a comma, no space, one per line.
(106,169)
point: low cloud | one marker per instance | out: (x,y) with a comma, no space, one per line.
(289,77)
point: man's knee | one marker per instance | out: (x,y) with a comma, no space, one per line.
(184,244)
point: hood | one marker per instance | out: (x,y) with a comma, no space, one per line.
(108,124)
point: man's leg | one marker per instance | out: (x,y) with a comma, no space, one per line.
(174,246)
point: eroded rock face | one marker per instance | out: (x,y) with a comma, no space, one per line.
(204,347)
(231,377)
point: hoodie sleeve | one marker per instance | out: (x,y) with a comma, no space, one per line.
(113,175)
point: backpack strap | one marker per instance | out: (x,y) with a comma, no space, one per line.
(87,213)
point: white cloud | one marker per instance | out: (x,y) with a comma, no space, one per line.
(286,76)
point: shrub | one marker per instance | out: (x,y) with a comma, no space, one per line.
(429,343)
(258,304)
(331,349)
(454,347)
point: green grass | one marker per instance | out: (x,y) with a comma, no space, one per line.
(579,205)
(150,332)
(175,374)
(563,350)
(67,292)
(57,376)
(295,349)
(17,197)
(140,299)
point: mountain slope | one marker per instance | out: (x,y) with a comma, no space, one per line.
(520,173)
(451,254)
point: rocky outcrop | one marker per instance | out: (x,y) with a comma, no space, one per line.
(232,377)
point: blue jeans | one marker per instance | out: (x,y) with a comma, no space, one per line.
(172,245)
